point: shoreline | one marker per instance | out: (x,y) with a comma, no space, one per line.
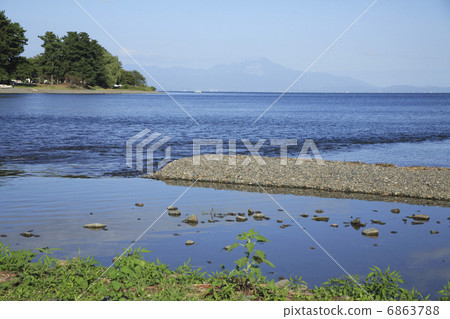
(40,90)
(385,180)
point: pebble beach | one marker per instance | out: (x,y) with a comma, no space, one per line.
(348,177)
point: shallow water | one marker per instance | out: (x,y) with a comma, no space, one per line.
(57,208)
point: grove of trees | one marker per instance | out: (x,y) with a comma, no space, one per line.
(74,58)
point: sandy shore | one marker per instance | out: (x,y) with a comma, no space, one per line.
(31,90)
(348,177)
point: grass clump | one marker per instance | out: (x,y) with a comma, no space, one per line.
(36,275)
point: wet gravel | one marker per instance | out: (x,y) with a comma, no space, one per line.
(348,177)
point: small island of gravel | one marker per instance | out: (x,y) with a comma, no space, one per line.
(349,177)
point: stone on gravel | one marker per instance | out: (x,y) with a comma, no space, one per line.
(370,232)
(241,219)
(321,218)
(191,220)
(283,283)
(189,242)
(95,226)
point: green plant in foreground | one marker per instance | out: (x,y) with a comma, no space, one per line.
(249,263)
(378,285)
(445,292)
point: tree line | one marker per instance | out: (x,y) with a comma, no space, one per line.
(74,59)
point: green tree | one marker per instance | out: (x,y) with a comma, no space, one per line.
(26,69)
(12,42)
(112,71)
(132,78)
(82,59)
(51,58)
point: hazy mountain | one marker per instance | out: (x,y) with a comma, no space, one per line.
(263,75)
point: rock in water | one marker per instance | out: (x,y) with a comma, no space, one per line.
(172,208)
(189,242)
(258,216)
(356,221)
(139,204)
(304,215)
(319,211)
(26,234)
(321,218)
(279,221)
(95,226)
(395,211)
(370,232)
(334,225)
(250,212)
(432,232)
(421,217)
(174,212)
(191,220)
(241,219)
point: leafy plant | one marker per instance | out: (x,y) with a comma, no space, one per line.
(249,263)
(445,292)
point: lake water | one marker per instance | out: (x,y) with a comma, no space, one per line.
(47,137)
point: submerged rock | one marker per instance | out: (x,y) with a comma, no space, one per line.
(26,234)
(304,215)
(422,217)
(284,226)
(241,218)
(266,218)
(231,214)
(370,232)
(432,232)
(321,219)
(395,211)
(373,221)
(172,208)
(279,221)
(241,214)
(189,242)
(174,213)
(95,226)
(258,216)
(139,204)
(191,220)
(319,211)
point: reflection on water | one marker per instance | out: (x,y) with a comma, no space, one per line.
(57,208)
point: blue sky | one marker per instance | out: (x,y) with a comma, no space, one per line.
(397,42)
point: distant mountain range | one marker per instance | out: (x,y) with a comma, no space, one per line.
(263,75)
